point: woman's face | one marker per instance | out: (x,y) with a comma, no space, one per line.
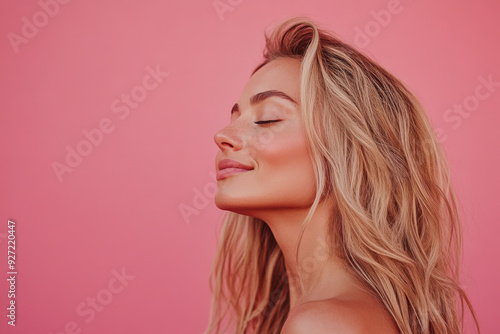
(279,173)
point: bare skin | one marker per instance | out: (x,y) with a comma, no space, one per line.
(279,189)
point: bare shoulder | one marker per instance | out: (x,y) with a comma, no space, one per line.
(337,316)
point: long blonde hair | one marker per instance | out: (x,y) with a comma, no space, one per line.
(396,222)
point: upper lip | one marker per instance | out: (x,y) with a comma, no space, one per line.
(228,163)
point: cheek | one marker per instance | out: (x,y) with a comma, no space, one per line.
(285,166)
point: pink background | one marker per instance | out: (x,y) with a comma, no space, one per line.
(120,207)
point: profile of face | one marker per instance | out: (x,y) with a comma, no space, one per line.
(263,163)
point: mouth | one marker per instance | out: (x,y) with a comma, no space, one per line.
(228,167)
(227,172)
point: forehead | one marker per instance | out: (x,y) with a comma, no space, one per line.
(282,74)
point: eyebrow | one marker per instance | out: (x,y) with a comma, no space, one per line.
(259,97)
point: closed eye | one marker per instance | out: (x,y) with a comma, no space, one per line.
(267,122)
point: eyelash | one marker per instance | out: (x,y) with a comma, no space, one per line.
(267,122)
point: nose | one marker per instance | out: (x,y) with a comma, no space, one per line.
(228,139)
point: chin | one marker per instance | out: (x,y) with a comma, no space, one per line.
(239,206)
(228,205)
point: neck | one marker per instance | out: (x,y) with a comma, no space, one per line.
(323,274)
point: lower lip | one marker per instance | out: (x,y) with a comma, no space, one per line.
(226,172)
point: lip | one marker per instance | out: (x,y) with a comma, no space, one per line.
(228,167)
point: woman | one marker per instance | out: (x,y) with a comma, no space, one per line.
(341,217)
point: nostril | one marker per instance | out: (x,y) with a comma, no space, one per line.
(228,139)
(227,144)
